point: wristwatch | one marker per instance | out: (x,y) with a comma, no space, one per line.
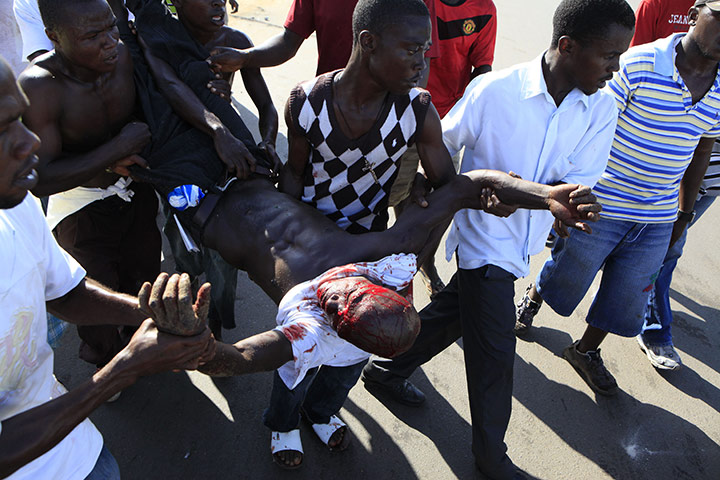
(687,216)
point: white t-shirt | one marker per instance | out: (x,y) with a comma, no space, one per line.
(507,121)
(314,341)
(35,270)
(31,26)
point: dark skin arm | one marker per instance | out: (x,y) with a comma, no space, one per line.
(263,352)
(29,434)
(185,103)
(260,95)
(91,303)
(690,184)
(275,51)
(291,176)
(60,171)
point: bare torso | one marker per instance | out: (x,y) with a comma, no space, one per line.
(85,115)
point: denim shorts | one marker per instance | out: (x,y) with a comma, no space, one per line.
(630,255)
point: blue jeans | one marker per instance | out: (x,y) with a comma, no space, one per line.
(106,467)
(658,315)
(319,395)
(630,255)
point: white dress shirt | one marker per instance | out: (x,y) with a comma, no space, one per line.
(507,121)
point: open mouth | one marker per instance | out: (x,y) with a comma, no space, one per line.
(218,19)
(111,58)
(28,177)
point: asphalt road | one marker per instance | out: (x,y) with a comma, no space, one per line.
(660,425)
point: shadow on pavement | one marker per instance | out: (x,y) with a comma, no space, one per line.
(621,435)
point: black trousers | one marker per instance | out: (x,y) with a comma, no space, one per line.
(477,305)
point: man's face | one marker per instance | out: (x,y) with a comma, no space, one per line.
(17,144)
(206,15)
(593,64)
(336,296)
(88,36)
(706,32)
(398,60)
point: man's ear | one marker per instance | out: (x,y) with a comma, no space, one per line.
(52,36)
(368,41)
(693,15)
(566,45)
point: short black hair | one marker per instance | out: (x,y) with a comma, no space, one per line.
(54,12)
(583,20)
(376,15)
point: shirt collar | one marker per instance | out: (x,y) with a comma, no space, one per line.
(664,58)
(534,84)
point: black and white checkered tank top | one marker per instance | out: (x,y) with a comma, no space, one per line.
(349,180)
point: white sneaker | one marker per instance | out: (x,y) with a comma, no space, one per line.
(661,357)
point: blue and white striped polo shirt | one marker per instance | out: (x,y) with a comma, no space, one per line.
(657,131)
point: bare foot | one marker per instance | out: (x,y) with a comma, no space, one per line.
(339,440)
(288,458)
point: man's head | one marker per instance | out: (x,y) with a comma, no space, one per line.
(17,144)
(371,317)
(201,15)
(590,36)
(392,36)
(704,19)
(84,32)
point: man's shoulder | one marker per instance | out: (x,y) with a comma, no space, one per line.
(234,38)
(42,77)
(498,81)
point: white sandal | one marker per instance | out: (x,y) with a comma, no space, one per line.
(284,441)
(326,430)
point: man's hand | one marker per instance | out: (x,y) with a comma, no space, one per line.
(269,149)
(226,59)
(121,166)
(494,205)
(152,351)
(169,303)
(234,154)
(133,137)
(420,189)
(220,87)
(571,205)
(678,228)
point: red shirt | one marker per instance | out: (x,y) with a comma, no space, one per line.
(467,34)
(332,22)
(659,19)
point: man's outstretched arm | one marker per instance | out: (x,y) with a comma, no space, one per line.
(274,51)
(263,352)
(574,205)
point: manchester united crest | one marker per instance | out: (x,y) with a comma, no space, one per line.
(468,26)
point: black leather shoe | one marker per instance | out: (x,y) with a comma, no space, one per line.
(400,390)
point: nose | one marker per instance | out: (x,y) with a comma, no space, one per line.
(27,143)
(420,61)
(615,65)
(111,39)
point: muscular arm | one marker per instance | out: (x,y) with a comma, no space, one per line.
(434,156)
(263,352)
(91,303)
(259,94)
(291,176)
(690,183)
(570,203)
(274,51)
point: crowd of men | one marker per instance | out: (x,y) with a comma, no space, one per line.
(126,108)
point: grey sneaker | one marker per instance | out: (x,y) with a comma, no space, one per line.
(526,311)
(662,357)
(591,368)
(399,389)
